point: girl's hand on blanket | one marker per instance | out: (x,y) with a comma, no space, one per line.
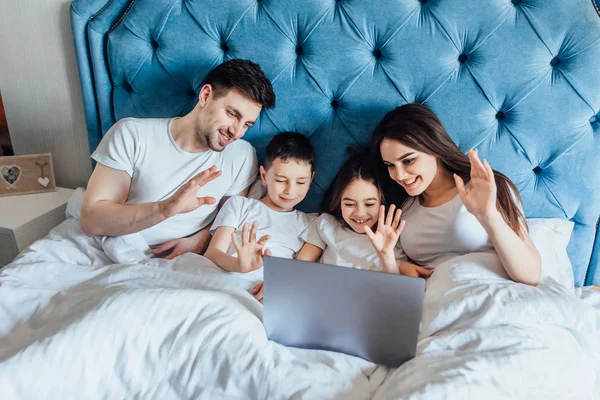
(388,231)
(410,269)
(257,291)
(184,199)
(250,252)
(480,199)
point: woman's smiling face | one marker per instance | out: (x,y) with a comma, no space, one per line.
(411,169)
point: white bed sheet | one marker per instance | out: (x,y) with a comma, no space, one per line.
(72,325)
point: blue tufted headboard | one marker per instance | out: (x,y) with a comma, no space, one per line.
(519,80)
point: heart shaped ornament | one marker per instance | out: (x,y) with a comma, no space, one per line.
(43,181)
(11,174)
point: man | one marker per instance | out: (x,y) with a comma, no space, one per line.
(165,178)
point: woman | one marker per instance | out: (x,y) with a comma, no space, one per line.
(452,204)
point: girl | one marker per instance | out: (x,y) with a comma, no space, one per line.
(354,231)
(424,172)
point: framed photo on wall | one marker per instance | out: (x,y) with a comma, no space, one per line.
(33,173)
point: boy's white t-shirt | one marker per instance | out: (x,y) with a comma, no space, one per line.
(284,228)
(342,246)
(146,150)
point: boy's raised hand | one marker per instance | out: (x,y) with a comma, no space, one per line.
(250,251)
(388,230)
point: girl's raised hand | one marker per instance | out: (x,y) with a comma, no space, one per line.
(250,251)
(388,231)
(480,199)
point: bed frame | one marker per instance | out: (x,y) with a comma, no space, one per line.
(519,80)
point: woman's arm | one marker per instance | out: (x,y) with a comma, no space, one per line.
(518,255)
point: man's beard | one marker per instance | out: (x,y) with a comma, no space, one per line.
(205,138)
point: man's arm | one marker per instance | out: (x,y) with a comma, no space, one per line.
(105,213)
(196,243)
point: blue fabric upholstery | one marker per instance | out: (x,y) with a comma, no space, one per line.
(519,80)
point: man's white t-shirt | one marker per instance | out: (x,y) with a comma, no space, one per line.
(284,228)
(146,150)
(342,246)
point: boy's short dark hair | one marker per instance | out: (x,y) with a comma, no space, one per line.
(288,145)
(244,76)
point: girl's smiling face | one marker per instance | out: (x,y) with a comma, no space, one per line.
(360,205)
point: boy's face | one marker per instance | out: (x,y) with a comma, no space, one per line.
(287,182)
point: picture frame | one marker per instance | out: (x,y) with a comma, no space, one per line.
(26,174)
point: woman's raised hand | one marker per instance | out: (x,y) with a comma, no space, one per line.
(388,231)
(480,199)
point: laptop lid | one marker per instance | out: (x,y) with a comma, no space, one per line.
(369,314)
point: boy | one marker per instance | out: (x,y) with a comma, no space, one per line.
(287,173)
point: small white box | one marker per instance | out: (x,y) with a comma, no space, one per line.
(27,218)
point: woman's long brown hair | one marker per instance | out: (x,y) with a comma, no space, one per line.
(417,127)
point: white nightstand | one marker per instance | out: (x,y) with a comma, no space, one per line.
(27,218)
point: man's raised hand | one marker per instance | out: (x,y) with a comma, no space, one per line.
(184,199)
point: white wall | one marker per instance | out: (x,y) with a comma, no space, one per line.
(40,86)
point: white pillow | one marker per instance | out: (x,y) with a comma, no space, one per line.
(551,237)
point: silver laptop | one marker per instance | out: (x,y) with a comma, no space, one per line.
(372,315)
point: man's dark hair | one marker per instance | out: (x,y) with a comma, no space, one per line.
(290,145)
(244,76)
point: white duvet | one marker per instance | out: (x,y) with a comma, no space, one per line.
(74,326)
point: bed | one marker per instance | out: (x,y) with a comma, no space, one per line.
(518,80)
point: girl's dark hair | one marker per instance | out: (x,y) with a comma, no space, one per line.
(358,166)
(417,127)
